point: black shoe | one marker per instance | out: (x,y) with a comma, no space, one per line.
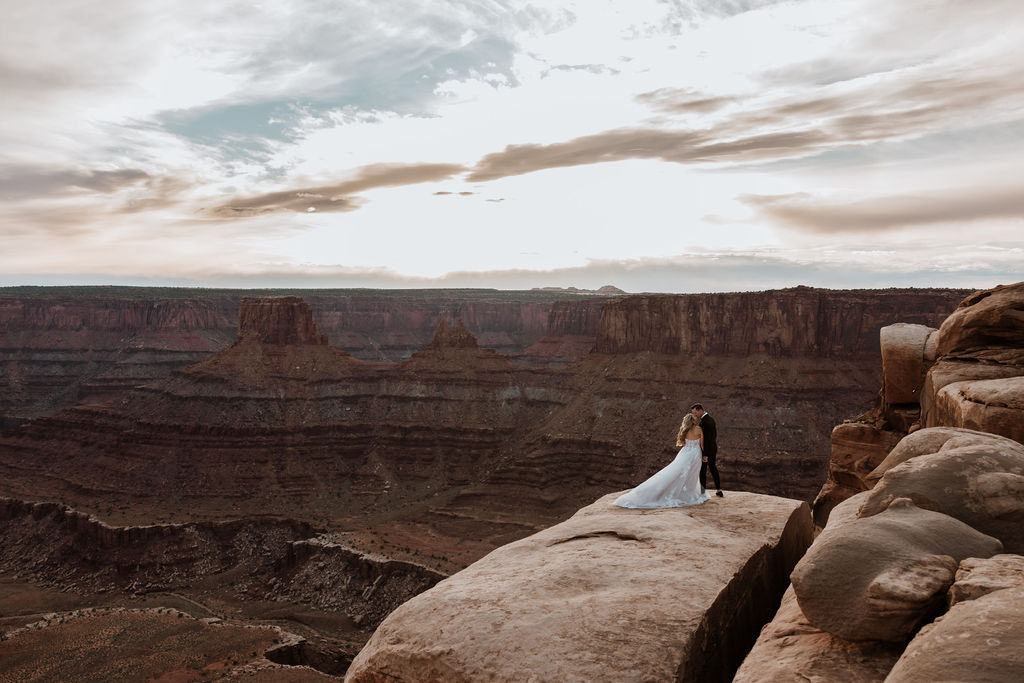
(720,494)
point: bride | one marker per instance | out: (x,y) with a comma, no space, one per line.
(678,483)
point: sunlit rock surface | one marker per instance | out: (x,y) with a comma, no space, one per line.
(610,594)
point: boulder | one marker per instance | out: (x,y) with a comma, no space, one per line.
(988,325)
(610,594)
(905,360)
(791,650)
(980,576)
(934,440)
(857,449)
(880,577)
(977,640)
(995,406)
(948,371)
(979,481)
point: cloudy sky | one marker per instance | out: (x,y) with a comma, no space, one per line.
(655,145)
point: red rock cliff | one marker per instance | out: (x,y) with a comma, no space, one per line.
(278,320)
(791,322)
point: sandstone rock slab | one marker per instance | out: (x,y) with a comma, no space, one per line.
(995,406)
(977,640)
(951,370)
(880,577)
(610,594)
(980,482)
(904,360)
(977,576)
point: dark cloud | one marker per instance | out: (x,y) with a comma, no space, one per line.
(337,197)
(806,213)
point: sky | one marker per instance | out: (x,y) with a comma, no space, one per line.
(653,145)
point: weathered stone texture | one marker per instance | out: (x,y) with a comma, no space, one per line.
(610,594)
(880,577)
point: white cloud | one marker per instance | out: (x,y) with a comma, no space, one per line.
(124,120)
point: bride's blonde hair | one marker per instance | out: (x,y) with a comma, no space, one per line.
(688,421)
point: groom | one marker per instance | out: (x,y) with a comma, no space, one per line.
(707,424)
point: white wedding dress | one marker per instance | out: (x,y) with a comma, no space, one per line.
(675,485)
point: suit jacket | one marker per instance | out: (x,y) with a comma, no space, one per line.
(707,423)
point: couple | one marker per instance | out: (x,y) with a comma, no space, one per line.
(682,481)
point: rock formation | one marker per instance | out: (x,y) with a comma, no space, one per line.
(977,640)
(62,346)
(976,383)
(790,322)
(980,576)
(879,577)
(966,374)
(974,477)
(792,650)
(610,594)
(867,578)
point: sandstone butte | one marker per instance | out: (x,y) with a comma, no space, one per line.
(608,595)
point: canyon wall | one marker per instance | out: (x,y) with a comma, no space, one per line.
(62,346)
(791,322)
(461,447)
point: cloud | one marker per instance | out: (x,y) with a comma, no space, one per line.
(337,197)
(19,182)
(683,101)
(803,212)
(672,146)
(699,272)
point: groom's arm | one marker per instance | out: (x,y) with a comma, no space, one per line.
(710,436)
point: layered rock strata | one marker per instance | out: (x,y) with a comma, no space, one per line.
(62,346)
(610,594)
(977,382)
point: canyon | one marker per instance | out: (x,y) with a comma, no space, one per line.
(325,459)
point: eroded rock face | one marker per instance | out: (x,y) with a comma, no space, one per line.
(976,382)
(987,325)
(995,406)
(792,650)
(880,577)
(278,320)
(974,477)
(907,350)
(977,640)
(977,576)
(610,594)
(857,449)
(934,440)
(797,321)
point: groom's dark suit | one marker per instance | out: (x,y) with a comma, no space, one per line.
(707,424)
